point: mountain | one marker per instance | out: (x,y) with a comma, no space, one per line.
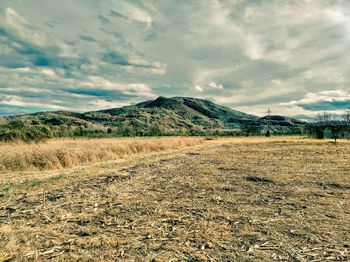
(162,116)
(172,113)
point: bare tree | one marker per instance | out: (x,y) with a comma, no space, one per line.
(321,123)
(326,120)
(346,117)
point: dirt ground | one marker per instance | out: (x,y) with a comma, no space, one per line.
(226,200)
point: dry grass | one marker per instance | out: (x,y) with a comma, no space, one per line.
(257,199)
(57,154)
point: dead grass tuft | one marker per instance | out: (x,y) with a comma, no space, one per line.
(57,154)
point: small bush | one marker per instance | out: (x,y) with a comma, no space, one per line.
(26,134)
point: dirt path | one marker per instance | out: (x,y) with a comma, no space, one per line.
(283,201)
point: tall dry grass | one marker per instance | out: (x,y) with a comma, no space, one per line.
(57,154)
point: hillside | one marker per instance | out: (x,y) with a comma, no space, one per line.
(174,113)
(162,116)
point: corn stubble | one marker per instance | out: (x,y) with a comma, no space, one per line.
(225,200)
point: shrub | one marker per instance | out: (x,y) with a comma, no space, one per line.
(27,134)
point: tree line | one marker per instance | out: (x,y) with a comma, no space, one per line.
(334,123)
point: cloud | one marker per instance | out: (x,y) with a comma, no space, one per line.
(199,88)
(96,81)
(249,92)
(203,78)
(324,100)
(132,59)
(340,17)
(215,85)
(291,111)
(248,55)
(87,38)
(116,58)
(130,11)
(325,74)
(18,101)
(211,85)
(26,46)
(104,20)
(102,103)
(14,24)
(48,72)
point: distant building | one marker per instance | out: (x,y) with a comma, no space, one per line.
(339,128)
(327,133)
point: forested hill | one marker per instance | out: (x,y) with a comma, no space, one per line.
(162,116)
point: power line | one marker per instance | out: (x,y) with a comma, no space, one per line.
(268,119)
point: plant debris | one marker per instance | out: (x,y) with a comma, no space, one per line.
(194,204)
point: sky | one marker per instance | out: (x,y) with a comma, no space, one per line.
(84,55)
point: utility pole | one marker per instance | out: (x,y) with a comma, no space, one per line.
(134,124)
(268,132)
(268,118)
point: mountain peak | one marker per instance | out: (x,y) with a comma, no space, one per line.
(164,102)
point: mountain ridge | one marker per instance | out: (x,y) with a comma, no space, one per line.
(161,116)
(191,109)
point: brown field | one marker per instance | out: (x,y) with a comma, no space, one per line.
(247,199)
